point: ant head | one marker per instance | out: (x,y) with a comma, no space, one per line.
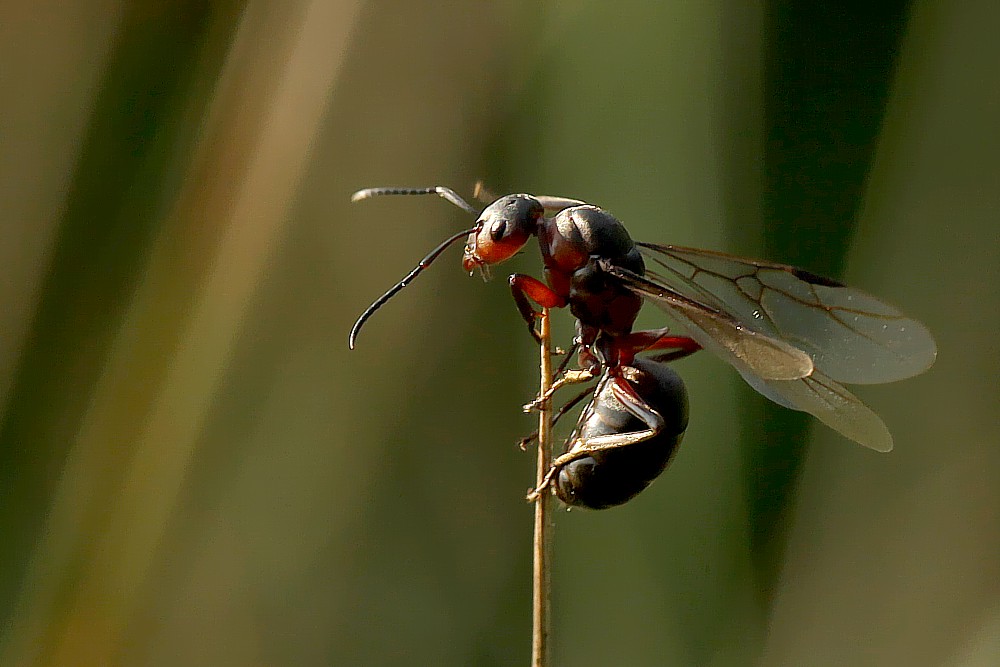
(502,230)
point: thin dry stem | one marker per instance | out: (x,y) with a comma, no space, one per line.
(541,578)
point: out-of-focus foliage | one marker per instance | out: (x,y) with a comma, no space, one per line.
(196,471)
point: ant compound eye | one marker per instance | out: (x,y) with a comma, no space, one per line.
(502,230)
(498,230)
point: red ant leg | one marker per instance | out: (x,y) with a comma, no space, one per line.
(526,289)
(679,346)
(626,347)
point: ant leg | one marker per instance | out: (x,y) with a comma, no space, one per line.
(570,404)
(674,355)
(568,356)
(655,339)
(536,493)
(679,346)
(634,404)
(561,374)
(526,289)
(564,378)
(567,378)
(586,337)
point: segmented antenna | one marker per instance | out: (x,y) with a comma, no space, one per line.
(441,191)
(424,263)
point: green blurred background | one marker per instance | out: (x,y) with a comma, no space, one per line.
(196,471)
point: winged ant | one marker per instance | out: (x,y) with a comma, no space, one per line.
(792,335)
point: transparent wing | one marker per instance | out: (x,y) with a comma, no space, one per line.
(849,335)
(720,333)
(829,402)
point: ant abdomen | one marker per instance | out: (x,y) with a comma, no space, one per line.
(625,462)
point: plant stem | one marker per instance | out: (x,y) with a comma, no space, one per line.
(541,575)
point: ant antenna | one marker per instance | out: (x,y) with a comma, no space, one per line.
(446,193)
(424,263)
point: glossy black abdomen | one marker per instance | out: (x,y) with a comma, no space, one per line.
(615,475)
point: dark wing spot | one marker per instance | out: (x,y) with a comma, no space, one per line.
(813,279)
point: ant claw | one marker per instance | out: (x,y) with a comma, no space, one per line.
(545,485)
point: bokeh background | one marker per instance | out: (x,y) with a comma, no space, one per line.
(196,471)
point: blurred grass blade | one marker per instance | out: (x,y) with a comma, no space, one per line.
(177,335)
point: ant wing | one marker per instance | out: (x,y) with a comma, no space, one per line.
(849,335)
(830,403)
(749,351)
(719,331)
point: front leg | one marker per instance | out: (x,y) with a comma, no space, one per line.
(526,289)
